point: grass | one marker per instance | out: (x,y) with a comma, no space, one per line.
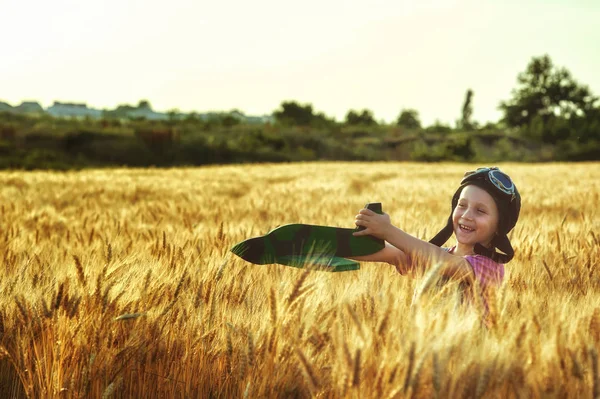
(119,283)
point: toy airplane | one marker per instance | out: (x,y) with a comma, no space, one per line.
(304,245)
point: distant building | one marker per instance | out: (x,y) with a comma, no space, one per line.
(251,119)
(147,113)
(240,116)
(260,119)
(73,110)
(5,106)
(141,111)
(29,107)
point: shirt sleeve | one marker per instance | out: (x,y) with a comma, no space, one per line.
(487,272)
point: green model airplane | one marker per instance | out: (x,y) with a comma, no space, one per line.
(304,245)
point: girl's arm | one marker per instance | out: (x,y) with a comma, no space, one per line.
(389,254)
(421,253)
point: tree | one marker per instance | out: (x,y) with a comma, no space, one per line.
(231,119)
(438,127)
(490,126)
(292,113)
(467,111)
(409,118)
(320,120)
(364,118)
(192,117)
(546,91)
(173,115)
(144,104)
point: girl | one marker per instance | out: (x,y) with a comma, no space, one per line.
(484,209)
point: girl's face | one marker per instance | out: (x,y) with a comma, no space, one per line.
(475,217)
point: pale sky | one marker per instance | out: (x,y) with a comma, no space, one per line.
(252,55)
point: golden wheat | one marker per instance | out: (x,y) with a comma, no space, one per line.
(119,283)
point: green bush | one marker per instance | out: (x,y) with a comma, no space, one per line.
(45,142)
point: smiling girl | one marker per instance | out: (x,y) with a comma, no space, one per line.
(485,208)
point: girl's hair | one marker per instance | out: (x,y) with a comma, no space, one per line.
(508,200)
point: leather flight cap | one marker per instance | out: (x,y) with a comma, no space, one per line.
(509,207)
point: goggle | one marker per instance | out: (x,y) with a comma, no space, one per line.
(495,176)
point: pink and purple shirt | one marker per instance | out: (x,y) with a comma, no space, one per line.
(488,275)
(487,272)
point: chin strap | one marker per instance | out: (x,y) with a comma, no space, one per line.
(503,244)
(444,234)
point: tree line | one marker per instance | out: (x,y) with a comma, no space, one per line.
(550,116)
(546,95)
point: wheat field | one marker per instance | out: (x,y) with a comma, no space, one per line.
(120,283)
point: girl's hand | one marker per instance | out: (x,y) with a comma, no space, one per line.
(375,224)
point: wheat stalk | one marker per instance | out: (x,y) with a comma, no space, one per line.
(309,370)
(577,369)
(296,290)
(251,350)
(384,323)
(595,377)
(273,307)
(356,370)
(411,361)
(356,320)
(272,347)
(243,365)
(415,380)
(484,379)
(229,363)
(594,326)
(80,273)
(59,296)
(347,354)
(1,325)
(436,374)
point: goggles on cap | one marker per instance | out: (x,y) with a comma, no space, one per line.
(495,176)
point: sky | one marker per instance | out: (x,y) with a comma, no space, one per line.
(382,55)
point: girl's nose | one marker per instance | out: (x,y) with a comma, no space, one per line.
(467,214)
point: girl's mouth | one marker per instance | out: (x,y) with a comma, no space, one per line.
(465,229)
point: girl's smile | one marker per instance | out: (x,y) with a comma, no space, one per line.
(464,229)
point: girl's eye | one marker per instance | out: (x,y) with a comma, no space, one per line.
(461,205)
(481,210)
